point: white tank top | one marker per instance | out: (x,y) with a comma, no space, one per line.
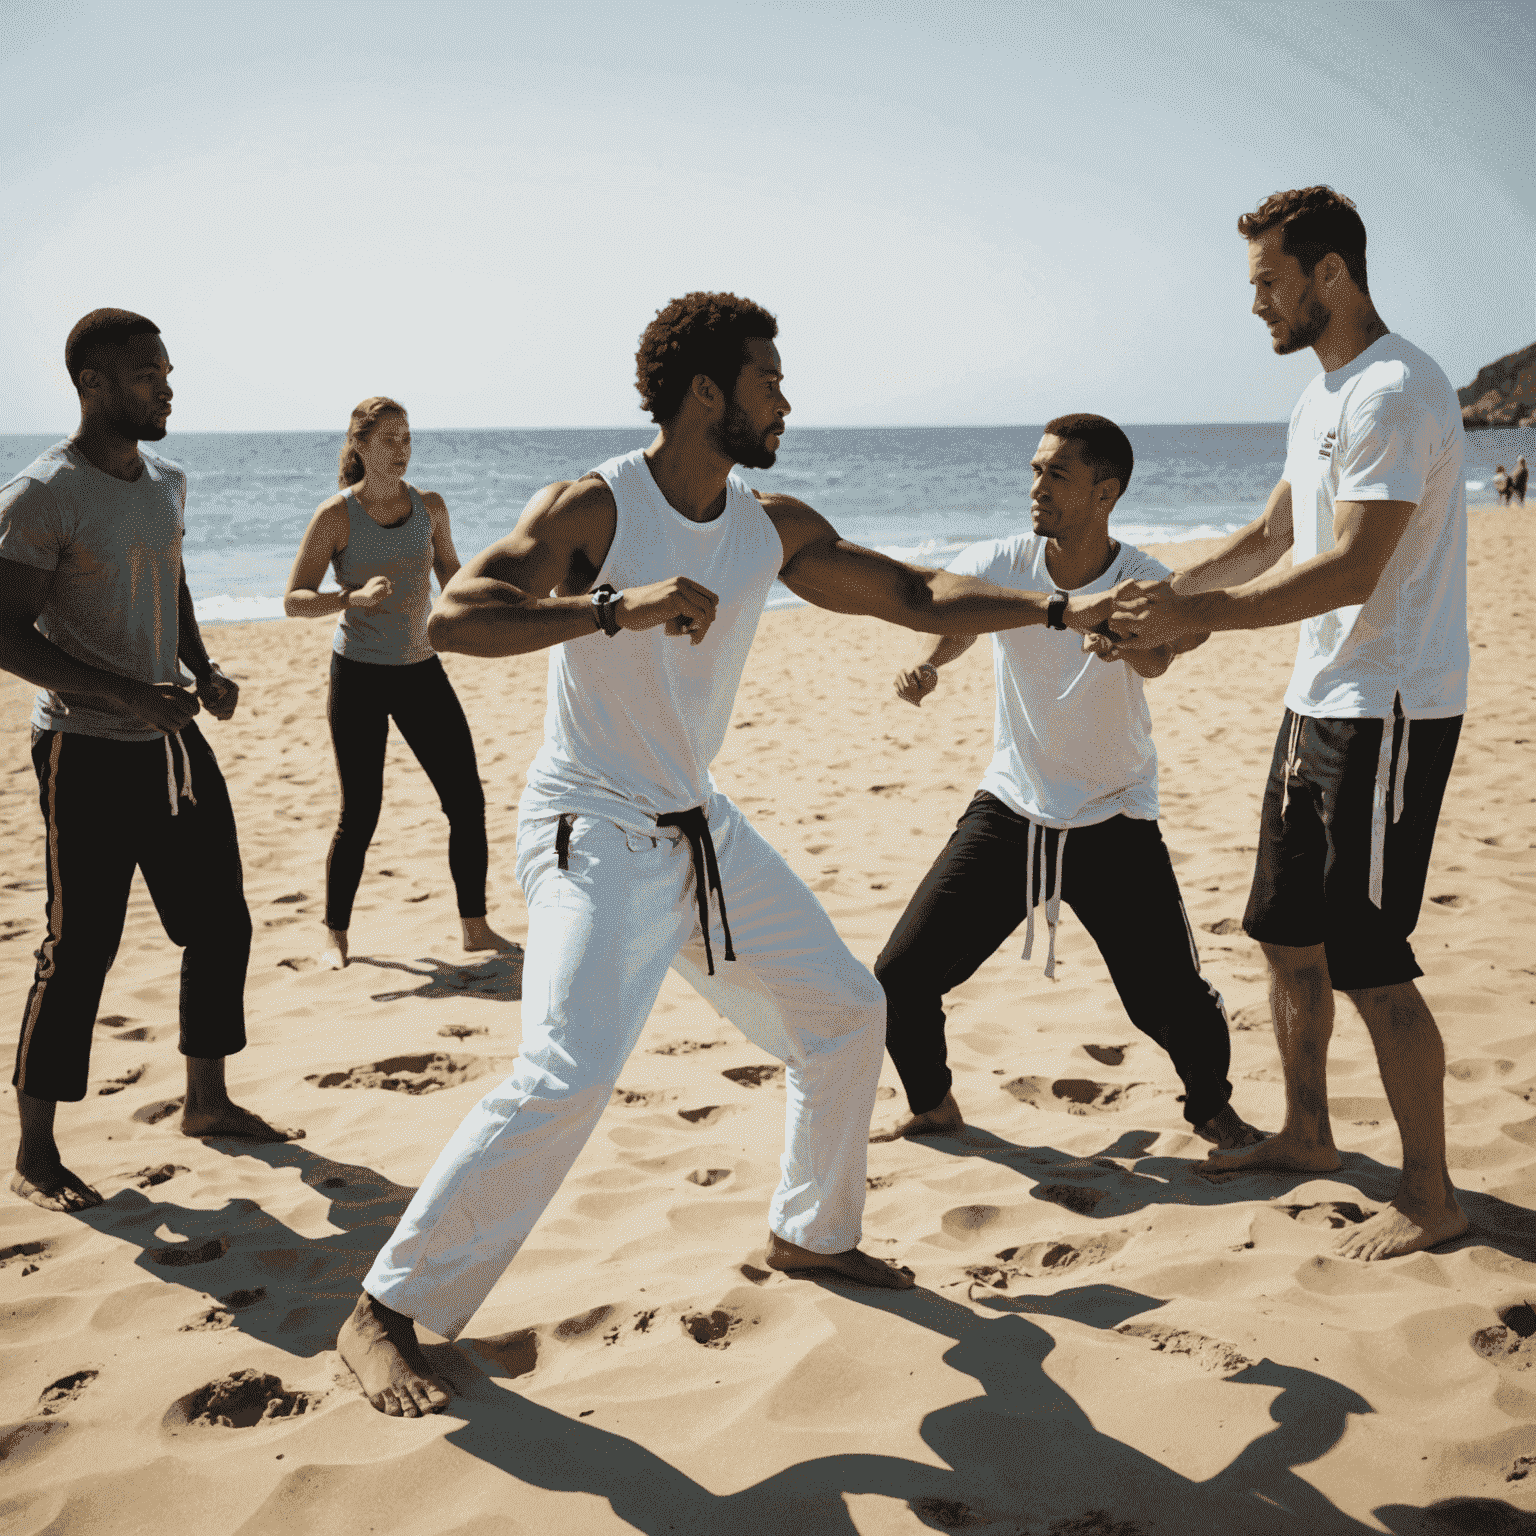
(633,722)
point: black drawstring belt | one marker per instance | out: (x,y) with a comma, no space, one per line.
(706,872)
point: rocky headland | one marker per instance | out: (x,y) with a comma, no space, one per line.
(1503,394)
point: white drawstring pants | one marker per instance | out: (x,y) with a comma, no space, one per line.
(601,935)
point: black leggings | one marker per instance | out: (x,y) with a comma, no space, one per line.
(978,892)
(363,697)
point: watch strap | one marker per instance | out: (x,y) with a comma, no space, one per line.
(1055,610)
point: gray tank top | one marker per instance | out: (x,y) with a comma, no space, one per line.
(395,633)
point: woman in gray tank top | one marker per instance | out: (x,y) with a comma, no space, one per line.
(386,539)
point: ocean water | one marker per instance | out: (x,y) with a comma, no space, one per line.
(920,493)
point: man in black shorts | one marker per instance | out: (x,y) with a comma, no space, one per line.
(94,609)
(1373,506)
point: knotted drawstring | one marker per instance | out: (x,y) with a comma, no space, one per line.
(170,772)
(1052,897)
(706,873)
(1387,787)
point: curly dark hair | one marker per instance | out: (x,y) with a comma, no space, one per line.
(699,333)
(98,335)
(1103,447)
(1313,221)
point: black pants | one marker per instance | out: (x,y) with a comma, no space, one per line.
(107,811)
(1118,879)
(363,698)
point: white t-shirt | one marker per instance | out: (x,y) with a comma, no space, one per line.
(1072,742)
(1385,427)
(114,547)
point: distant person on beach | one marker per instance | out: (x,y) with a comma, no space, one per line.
(386,539)
(646,579)
(1502,485)
(94,609)
(1372,506)
(1070,793)
(1518,480)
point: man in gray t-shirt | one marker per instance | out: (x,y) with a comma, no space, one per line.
(94,609)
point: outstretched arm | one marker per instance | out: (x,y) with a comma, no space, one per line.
(527,591)
(830,572)
(1365,535)
(1248,553)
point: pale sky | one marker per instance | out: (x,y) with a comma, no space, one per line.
(961,212)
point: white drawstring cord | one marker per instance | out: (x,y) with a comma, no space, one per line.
(1384,782)
(1292,764)
(170,772)
(1052,898)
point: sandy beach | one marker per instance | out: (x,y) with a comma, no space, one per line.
(1100,1344)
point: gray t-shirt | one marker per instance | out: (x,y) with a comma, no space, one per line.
(114,547)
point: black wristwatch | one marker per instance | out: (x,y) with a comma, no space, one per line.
(604,603)
(1056,609)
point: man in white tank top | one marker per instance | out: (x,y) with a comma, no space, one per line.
(645,579)
(1373,508)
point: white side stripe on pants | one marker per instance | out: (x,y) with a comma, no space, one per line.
(45,963)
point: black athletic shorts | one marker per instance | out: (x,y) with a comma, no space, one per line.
(1344,841)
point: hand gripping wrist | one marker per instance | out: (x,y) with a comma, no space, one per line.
(928,670)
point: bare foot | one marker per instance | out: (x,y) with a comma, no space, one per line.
(334,956)
(55,1188)
(478,934)
(228,1119)
(1280,1153)
(944,1119)
(1402,1228)
(380,1347)
(1229,1131)
(791,1259)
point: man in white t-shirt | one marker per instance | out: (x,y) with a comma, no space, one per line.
(1373,508)
(1069,798)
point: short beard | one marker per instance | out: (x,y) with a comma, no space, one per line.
(734,439)
(1308,330)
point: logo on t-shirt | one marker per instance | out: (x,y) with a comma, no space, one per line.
(1325,448)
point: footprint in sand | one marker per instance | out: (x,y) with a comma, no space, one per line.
(1225,926)
(14,928)
(1253,1016)
(755,1275)
(582,1324)
(145,1034)
(124,1080)
(685,1047)
(514,1354)
(1074,1197)
(147,1178)
(640,1098)
(1511,1342)
(30,1254)
(757,1076)
(463,1031)
(1032,1260)
(183,1255)
(209,1320)
(1452,901)
(1327,1213)
(113,1020)
(64,1391)
(299,962)
(880,1181)
(1212,1355)
(885,1093)
(1075,1095)
(1107,1055)
(241,1400)
(424,1073)
(705,1177)
(161,1109)
(714,1330)
(709,1114)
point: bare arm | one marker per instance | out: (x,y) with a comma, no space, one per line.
(916,682)
(303,598)
(847,578)
(527,591)
(28,654)
(1248,553)
(1365,535)
(445,558)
